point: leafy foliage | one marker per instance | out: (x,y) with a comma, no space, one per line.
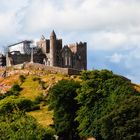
(22,78)
(100,93)
(8,104)
(123,123)
(36,79)
(42,83)
(107,108)
(40,98)
(61,100)
(15,90)
(18,126)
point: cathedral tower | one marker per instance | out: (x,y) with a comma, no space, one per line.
(53,49)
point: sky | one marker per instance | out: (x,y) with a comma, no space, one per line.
(111,29)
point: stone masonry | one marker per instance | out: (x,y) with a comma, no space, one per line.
(49,52)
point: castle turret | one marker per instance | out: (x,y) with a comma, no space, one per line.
(53,49)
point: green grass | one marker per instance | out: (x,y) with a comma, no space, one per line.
(43,116)
(30,88)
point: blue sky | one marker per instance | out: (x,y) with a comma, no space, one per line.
(111,28)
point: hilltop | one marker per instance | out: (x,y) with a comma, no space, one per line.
(36,83)
(35,90)
(49,75)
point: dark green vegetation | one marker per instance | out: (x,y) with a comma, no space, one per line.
(22,78)
(15,124)
(100,104)
(15,90)
(62,102)
(19,126)
(107,107)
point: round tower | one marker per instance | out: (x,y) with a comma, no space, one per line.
(53,49)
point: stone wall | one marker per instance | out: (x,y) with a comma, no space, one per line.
(22,58)
(27,68)
(54,70)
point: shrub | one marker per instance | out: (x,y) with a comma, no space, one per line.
(39,99)
(24,104)
(22,78)
(10,103)
(43,84)
(15,90)
(36,79)
(19,126)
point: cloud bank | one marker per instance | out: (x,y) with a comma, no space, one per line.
(111,28)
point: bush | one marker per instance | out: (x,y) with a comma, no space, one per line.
(10,103)
(43,84)
(36,79)
(15,90)
(24,104)
(6,105)
(22,78)
(19,126)
(39,99)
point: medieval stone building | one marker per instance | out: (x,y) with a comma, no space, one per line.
(49,52)
(69,56)
(21,53)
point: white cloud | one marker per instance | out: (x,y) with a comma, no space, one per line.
(128,61)
(108,40)
(115,58)
(9,25)
(89,14)
(111,26)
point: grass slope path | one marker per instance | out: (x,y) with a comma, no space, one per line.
(32,87)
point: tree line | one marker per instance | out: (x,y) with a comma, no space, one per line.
(104,106)
(100,105)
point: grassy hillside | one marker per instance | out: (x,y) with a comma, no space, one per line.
(43,116)
(33,86)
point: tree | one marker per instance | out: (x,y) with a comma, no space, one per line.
(62,102)
(123,122)
(100,93)
(19,126)
(15,124)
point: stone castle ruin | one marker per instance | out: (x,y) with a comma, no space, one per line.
(49,52)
